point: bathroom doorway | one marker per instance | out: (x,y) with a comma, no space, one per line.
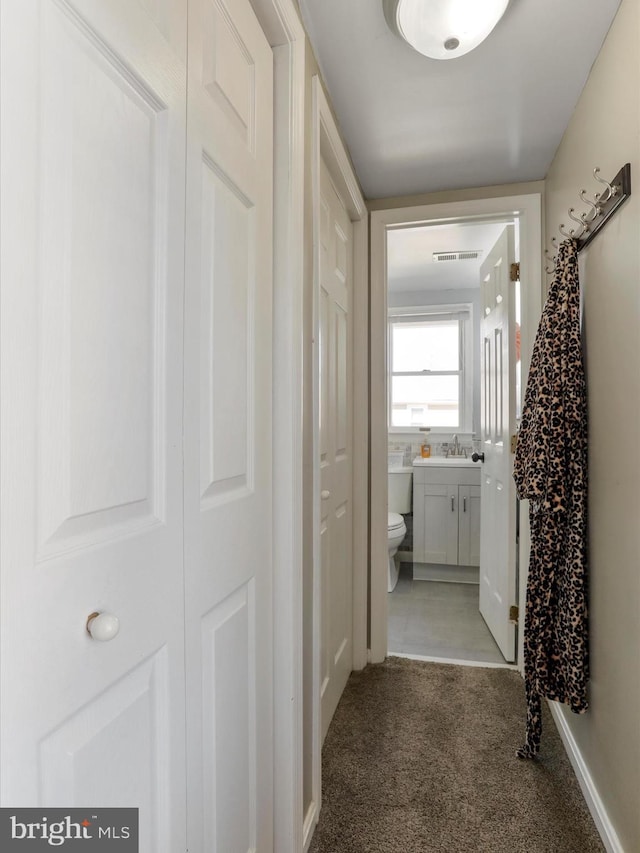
(426,296)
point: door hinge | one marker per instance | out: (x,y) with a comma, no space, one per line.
(515,272)
(514,443)
(514,613)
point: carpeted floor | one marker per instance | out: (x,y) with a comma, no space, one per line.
(420,757)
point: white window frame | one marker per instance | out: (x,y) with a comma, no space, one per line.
(462,311)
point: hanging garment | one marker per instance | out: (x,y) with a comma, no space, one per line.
(551,472)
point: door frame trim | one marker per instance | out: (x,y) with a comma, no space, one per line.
(530,207)
(328,145)
(283,29)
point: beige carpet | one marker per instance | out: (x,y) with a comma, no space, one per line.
(420,757)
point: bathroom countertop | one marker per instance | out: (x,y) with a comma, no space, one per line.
(445,461)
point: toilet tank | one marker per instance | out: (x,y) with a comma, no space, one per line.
(400,489)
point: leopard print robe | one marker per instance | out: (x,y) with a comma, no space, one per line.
(551,472)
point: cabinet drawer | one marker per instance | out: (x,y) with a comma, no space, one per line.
(452,476)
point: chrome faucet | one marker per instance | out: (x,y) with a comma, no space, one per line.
(456,450)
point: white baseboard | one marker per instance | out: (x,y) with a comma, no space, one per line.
(590,792)
(309,825)
(456,661)
(446,573)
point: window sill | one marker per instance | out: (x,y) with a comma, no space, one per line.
(432,431)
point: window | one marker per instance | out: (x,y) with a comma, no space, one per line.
(429,375)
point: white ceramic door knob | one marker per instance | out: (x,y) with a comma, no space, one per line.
(103,626)
(325,494)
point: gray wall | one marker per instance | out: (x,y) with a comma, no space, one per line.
(604,131)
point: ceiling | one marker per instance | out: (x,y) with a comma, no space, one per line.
(493,116)
(411,266)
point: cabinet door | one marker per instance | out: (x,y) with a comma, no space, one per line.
(469,525)
(440,524)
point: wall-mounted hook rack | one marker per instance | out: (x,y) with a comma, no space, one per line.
(593,220)
(601,209)
(605,205)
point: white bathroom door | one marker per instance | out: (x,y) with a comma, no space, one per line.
(228,441)
(336,417)
(498,421)
(92,194)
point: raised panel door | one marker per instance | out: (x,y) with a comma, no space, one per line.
(93,117)
(227,430)
(498,536)
(335,323)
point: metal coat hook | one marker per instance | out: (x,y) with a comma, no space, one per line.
(571,235)
(581,220)
(611,190)
(596,209)
(552,258)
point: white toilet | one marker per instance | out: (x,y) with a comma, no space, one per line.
(399,502)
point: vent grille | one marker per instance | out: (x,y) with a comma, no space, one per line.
(456,256)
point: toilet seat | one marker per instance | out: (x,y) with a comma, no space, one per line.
(396,531)
(395,522)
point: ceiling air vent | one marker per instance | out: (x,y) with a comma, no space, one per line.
(456,256)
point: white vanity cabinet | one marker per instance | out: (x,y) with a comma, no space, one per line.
(446,514)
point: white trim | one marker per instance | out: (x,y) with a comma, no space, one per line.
(360,440)
(328,145)
(280,21)
(531,279)
(443,573)
(316,695)
(457,661)
(594,802)
(420,310)
(310,820)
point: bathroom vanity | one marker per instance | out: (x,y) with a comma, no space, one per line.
(446,519)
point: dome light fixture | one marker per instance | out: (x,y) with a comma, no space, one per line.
(443,29)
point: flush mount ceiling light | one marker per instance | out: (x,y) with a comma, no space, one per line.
(443,29)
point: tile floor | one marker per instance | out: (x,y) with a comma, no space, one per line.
(438,620)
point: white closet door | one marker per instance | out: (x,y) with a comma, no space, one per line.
(93,117)
(336,418)
(228,456)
